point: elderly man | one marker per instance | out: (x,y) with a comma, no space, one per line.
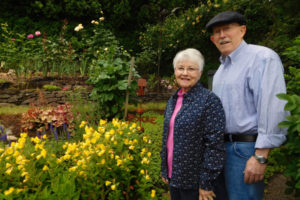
(247,82)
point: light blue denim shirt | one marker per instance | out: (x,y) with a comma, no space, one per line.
(247,83)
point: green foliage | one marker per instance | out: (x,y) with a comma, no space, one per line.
(289,155)
(175,33)
(18,52)
(109,74)
(293,77)
(290,152)
(51,87)
(155,133)
(274,164)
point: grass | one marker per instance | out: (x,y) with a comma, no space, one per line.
(12,109)
(150,106)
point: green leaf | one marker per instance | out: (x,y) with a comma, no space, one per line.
(284,124)
(283,96)
(122,85)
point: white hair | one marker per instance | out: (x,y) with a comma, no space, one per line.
(190,54)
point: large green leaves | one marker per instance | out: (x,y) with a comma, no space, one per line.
(109,75)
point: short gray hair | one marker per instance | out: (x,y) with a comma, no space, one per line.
(190,54)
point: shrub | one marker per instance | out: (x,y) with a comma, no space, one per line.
(111,162)
(289,154)
(109,75)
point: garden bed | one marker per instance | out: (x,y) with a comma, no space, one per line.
(274,190)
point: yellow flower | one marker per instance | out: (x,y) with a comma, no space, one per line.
(36,140)
(131,147)
(38,157)
(83,123)
(7,165)
(23,135)
(147,177)
(113,187)
(20,167)
(107,183)
(102,122)
(9,150)
(73,169)
(24,173)
(149,154)
(44,136)
(153,193)
(103,161)
(44,153)
(45,168)
(8,171)
(142,171)
(145,161)
(101,19)
(9,191)
(119,162)
(145,139)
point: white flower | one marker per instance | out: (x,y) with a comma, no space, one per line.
(78,28)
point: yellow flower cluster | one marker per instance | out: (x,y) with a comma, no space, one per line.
(115,146)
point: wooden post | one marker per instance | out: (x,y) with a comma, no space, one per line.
(127,91)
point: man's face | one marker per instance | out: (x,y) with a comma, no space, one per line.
(227,37)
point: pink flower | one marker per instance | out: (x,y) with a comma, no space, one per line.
(170,87)
(13,39)
(30,36)
(37,33)
(64,89)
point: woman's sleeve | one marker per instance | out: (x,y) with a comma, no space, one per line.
(214,153)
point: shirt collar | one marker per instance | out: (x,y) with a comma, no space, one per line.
(232,57)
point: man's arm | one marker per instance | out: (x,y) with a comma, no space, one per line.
(267,82)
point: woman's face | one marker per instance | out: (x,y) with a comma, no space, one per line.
(187,74)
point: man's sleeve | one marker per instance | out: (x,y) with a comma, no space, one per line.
(267,82)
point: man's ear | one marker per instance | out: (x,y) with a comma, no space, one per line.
(243,30)
(212,38)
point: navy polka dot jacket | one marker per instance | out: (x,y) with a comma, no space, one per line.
(199,151)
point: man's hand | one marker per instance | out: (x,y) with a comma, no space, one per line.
(165,180)
(254,170)
(206,195)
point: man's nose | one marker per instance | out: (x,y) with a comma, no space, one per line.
(222,33)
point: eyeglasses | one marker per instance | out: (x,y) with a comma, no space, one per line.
(189,70)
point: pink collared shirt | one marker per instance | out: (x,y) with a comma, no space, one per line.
(170,141)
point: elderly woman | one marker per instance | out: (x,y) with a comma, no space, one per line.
(192,153)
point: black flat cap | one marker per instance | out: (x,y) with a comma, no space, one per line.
(224,18)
